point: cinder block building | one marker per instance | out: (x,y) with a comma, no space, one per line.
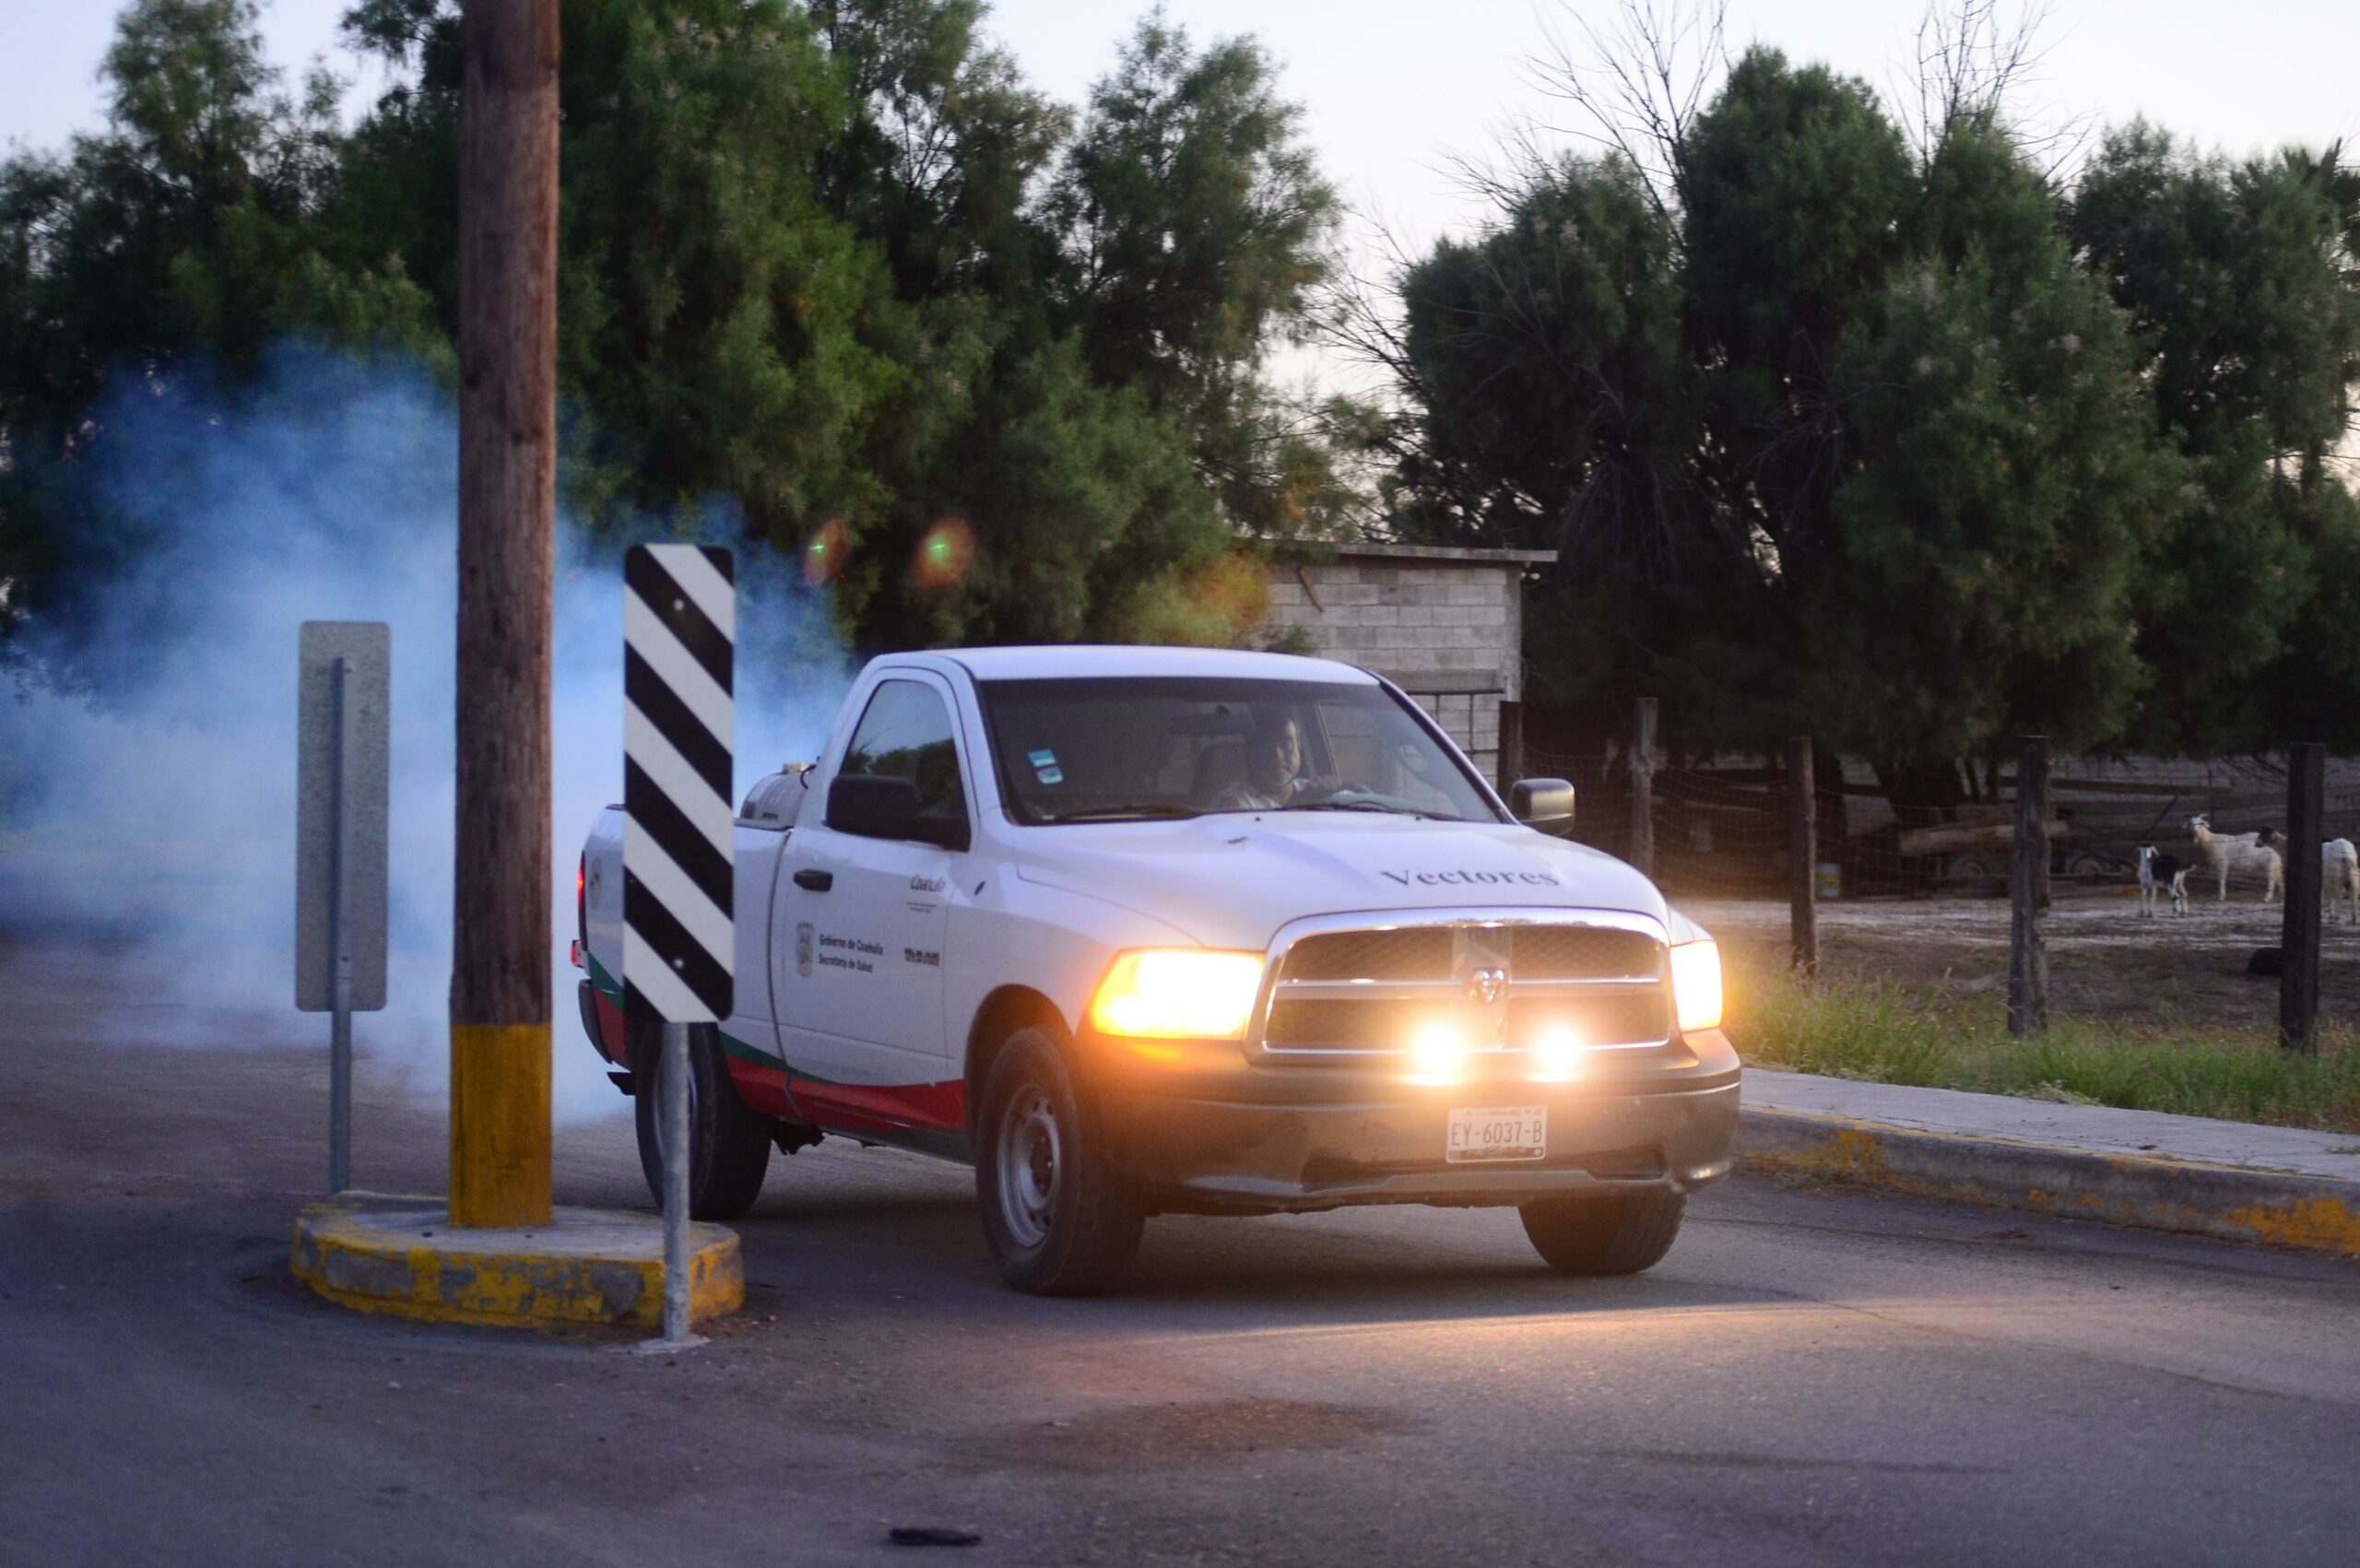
(1445,625)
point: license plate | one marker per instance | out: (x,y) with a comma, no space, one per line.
(1497,1132)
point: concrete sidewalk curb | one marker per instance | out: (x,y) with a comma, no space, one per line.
(2239,1203)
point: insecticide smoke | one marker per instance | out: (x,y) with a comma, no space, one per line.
(148,731)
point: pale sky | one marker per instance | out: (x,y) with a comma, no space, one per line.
(1390,89)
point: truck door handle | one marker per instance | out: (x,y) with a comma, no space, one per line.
(817,881)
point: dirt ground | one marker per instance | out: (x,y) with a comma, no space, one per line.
(2103,961)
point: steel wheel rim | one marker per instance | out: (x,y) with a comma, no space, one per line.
(1029,1153)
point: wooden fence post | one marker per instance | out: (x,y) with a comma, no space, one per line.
(2027,957)
(1642,791)
(2298,973)
(1511,764)
(1802,849)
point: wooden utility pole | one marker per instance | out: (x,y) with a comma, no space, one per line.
(1802,849)
(2027,954)
(500,932)
(1643,787)
(1511,767)
(2298,972)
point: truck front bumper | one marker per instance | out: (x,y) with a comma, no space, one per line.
(1256,1139)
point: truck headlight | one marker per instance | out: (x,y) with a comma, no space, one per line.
(1696,985)
(1178,993)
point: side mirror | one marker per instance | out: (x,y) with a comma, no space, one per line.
(870,806)
(1544,804)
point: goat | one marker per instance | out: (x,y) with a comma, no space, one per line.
(2223,853)
(2159,871)
(2339,873)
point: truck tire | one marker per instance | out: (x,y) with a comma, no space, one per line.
(1058,1221)
(729,1145)
(1608,1234)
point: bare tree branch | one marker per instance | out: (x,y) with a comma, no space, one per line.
(1636,83)
(1971,63)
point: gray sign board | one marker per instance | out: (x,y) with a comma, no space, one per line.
(343,710)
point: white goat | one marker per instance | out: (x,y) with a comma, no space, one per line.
(2158,872)
(2243,853)
(2339,874)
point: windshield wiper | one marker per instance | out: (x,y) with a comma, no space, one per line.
(1372,805)
(1158,810)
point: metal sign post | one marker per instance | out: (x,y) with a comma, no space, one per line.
(679,628)
(343,681)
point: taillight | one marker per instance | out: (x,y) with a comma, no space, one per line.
(582,898)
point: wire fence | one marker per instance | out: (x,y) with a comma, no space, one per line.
(1920,896)
(1724,831)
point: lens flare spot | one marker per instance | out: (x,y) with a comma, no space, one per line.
(945,552)
(825,557)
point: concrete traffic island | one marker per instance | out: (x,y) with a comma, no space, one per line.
(399,1254)
(2284,1187)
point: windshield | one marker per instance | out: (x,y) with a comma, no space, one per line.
(1115,749)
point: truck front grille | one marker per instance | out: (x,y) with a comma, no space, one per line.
(1391,1023)
(1427,953)
(1374,991)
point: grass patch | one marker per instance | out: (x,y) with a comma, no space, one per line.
(1886,1033)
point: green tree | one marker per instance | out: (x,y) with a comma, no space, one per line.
(1795,183)
(1060,491)
(829,270)
(2239,277)
(2312,693)
(1791,183)
(804,271)
(719,330)
(1982,572)
(1833,437)
(1195,227)
(181,237)
(1554,407)
(945,147)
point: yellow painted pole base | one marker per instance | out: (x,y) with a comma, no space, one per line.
(401,1255)
(499,1124)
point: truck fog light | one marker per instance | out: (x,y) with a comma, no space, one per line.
(1560,1054)
(1437,1054)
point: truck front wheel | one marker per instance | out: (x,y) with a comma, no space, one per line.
(1622,1233)
(1057,1220)
(729,1145)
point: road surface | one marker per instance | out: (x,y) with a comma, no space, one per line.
(1810,1378)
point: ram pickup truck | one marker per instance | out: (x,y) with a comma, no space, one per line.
(1158,930)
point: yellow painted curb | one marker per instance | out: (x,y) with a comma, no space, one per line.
(400,1255)
(2278,1208)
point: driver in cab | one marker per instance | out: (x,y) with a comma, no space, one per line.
(1273,770)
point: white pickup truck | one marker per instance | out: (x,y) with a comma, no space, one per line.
(1161,930)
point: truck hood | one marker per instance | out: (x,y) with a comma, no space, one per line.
(1232,880)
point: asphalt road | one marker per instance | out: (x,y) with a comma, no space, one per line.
(1810,1378)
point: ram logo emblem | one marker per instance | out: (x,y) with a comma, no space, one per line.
(1487,985)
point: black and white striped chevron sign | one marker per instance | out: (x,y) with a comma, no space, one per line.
(679,628)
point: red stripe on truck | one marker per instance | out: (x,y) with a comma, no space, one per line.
(864,1107)
(761,1086)
(614,1040)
